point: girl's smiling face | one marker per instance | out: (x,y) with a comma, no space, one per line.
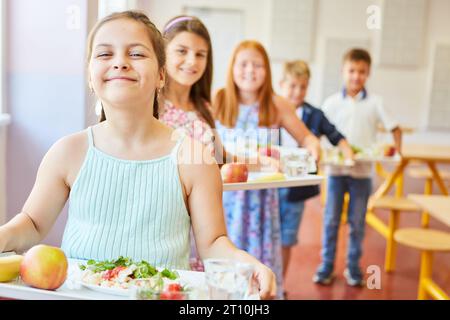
(249,70)
(123,67)
(187,55)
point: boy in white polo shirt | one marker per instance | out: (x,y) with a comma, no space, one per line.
(356,114)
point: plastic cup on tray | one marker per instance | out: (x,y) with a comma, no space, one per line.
(229,280)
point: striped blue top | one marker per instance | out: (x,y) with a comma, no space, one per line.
(128,208)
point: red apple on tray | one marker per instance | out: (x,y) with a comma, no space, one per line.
(389,151)
(44,267)
(234,172)
(269,151)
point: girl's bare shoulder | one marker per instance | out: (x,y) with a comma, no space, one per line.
(67,155)
(72,144)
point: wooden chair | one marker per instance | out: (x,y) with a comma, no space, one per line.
(428,242)
(395,205)
(425,173)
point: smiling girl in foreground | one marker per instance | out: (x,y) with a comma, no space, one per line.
(131,191)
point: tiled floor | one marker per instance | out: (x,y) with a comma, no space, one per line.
(401,284)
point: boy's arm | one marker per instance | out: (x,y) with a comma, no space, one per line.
(329,130)
(391,124)
(346,149)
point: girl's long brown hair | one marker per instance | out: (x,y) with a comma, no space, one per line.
(201,91)
(226,101)
(153,33)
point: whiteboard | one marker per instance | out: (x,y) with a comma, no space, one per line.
(439,117)
(224,39)
(292,29)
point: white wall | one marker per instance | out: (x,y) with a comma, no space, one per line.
(4,121)
(4,118)
(405,91)
(2,174)
(256,11)
(46,87)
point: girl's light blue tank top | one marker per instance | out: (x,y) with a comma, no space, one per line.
(128,208)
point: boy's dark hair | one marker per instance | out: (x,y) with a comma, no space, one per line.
(358,54)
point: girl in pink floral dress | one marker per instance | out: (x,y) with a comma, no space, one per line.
(189,121)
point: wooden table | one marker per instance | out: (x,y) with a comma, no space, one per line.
(405,130)
(428,154)
(436,206)
(288,182)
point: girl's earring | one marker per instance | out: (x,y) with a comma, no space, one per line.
(98,107)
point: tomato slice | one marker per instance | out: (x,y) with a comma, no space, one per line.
(108,275)
(116,270)
(174,287)
(166,295)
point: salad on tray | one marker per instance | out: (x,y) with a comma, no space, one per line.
(124,273)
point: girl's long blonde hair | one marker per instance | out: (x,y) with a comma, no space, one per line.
(226,102)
